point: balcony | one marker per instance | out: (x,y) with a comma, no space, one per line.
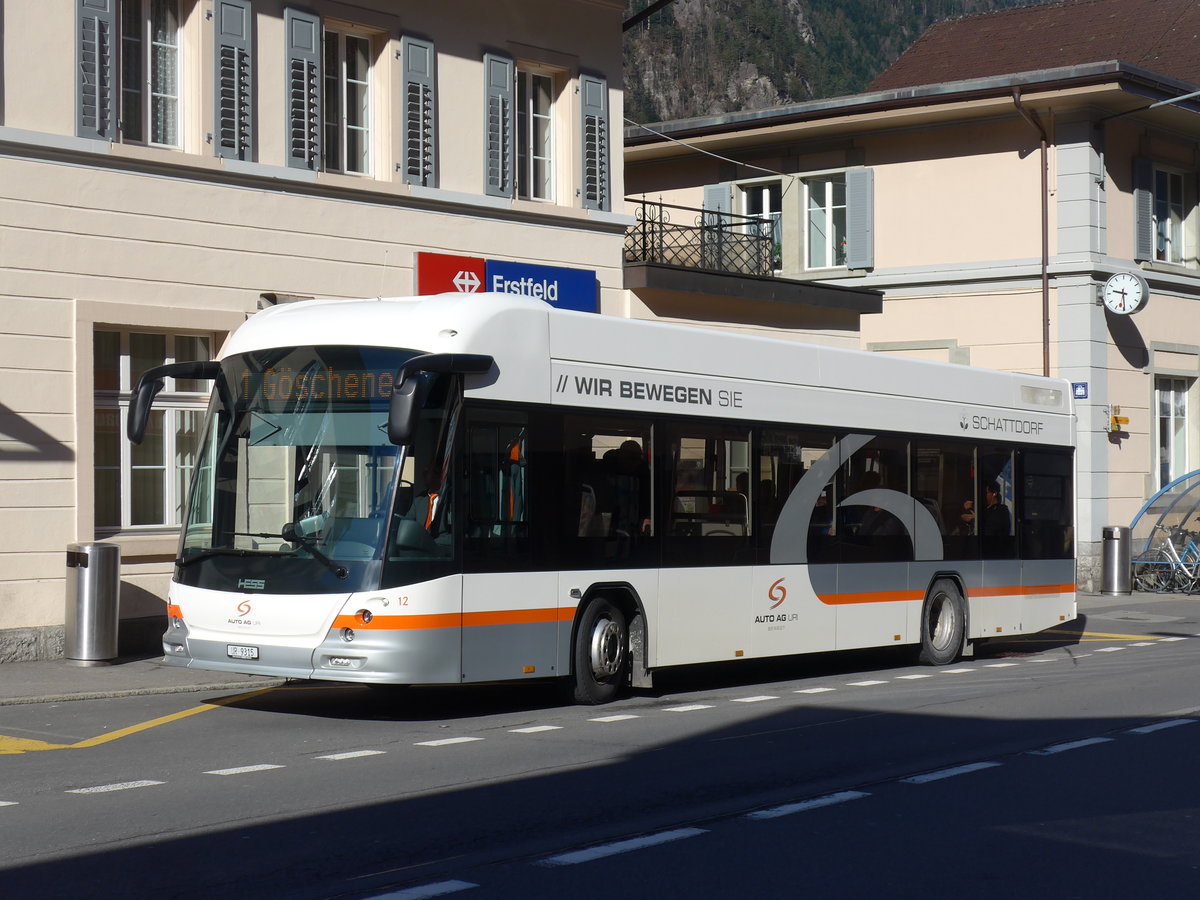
(702,239)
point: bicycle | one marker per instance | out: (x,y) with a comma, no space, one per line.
(1169,568)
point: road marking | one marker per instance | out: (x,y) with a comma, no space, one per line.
(864,683)
(815,691)
(1094,635)
(437,889)
(1000,665)
(446,742)
(803,806)
(1143,644)
(1159,726)
(244,770)
(352,754)
(1108,649)
(948,773)
(692,707)
(758,699)
(9,803)
(649,840)
(109,788)
(1069,745)
(622,717)
(1171,640)
(10,745)
(535,729)
(954,671)
(912,677)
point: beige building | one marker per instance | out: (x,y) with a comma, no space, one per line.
(989,184)
(168,166)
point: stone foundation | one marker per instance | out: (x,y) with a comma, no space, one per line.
(136,638)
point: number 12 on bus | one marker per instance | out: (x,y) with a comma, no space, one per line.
(479,487)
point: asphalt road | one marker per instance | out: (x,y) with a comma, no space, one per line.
(1061,766)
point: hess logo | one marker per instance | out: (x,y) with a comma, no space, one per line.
(778,593)
(243,608)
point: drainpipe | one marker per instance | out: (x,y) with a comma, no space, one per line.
(1031,118)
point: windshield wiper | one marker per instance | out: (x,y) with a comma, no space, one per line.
(290,534)
(184,562)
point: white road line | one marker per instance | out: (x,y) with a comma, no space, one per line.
(864,683)
(1143,644)
(948,773)
(689,708)
(912,677)
(1159,726)
(815,691)
(803,806)
(438,889)
(243,770)
(955,671)
(352,754)
(1170,640)
(1108,649)
(1069,745)
(649,840)
(108,788)
(9,803)
(623,717)
(1000,665)
(535,729)
(758,699)
(446,742)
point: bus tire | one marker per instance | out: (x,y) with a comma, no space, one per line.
(943,624)
(600,655)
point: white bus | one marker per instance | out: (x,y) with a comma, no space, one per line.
(478,487)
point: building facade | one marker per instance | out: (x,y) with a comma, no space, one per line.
(173,165)
(990,184)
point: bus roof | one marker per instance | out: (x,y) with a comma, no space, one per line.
(546,355)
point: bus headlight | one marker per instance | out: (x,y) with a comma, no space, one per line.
(347,634)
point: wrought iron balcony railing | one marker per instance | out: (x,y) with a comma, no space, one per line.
(702,239)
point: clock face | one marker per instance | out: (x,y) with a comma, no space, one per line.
(1124,293)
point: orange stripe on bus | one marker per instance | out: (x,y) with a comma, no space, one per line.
(174,612)
(454,620)
(901,596)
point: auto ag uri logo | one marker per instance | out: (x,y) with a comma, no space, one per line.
(778,593)
(243,608)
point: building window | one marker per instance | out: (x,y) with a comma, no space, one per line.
(1170,402)
(1173,203)
(826,214)
(764,200)
(535,135)
(346,112)
(150,72)
(145,485)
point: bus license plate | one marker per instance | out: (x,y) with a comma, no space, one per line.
(237,651)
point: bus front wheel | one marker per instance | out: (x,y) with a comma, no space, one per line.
(600,654)
(943,624)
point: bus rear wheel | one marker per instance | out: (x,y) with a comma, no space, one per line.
(943,624)
(601,653)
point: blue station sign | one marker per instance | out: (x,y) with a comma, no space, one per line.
(562,287)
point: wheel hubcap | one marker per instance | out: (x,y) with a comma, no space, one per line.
(607,650)
(942,622)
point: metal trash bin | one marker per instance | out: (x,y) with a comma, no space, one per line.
(93,586)
(1116,574)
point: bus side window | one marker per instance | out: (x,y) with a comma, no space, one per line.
(497,466)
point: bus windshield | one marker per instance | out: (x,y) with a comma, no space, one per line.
(296,478)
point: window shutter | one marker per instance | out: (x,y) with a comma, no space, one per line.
(860,218)
(1143,209)
(95,49)
(593,96)
(233,130)
(304,88)
(420,107)
(500,75)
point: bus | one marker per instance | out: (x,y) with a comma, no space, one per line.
(479,487)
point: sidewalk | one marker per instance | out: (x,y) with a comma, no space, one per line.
(55,680)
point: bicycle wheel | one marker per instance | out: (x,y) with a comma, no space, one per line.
(1153,575)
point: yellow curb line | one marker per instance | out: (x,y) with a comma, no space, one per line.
(11,745)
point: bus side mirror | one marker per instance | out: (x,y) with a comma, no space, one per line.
(408,395)
(151,383)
